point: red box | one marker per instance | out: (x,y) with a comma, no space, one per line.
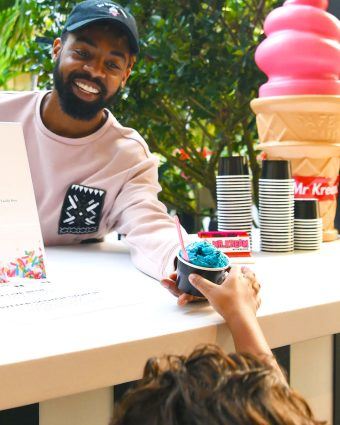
(234,243)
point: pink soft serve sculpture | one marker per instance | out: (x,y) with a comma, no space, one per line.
(298,109)
(301,53)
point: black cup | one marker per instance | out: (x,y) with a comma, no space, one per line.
(233,166)
(306,209)
(276,169)
(184,269)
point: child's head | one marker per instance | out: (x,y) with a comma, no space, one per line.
(211,388)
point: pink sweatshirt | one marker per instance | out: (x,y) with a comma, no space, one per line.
(90,186)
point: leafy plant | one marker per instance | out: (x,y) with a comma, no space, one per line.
(190,89)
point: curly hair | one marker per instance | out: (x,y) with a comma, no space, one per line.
(212,388)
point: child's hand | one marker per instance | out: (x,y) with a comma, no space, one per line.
(183,298)
(238,295)
(237,300)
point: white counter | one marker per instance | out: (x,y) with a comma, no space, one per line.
(66,347)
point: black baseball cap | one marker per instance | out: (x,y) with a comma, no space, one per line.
(90,11)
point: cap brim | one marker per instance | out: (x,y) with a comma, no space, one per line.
(132,39)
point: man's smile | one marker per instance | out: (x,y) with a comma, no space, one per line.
(87,86)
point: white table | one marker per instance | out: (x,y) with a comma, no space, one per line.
(106,338)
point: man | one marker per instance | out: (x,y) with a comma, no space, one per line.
(90,174)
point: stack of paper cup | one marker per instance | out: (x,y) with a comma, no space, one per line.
(276,202)
(234,197)
(307,224)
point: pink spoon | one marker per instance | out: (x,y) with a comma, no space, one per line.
(180,237)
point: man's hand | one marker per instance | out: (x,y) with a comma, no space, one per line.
(238,294)
(171,285)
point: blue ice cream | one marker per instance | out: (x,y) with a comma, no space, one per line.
(204,254)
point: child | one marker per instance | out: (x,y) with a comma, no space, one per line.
(212,388)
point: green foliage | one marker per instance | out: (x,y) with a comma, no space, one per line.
(190,88)
(5,4)
(23,23)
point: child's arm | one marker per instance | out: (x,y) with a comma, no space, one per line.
(237,300)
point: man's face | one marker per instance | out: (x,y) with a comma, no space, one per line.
(91,66)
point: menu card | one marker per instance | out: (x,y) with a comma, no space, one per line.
(21,244)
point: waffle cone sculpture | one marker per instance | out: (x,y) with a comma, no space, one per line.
(298,111)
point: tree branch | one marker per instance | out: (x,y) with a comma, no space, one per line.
(259,12)
(197,103)
(252,157)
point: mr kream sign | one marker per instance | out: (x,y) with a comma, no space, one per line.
(322,188)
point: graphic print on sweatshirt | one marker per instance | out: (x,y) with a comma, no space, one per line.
(81,211)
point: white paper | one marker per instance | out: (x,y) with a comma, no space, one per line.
(21,243)
(25,301)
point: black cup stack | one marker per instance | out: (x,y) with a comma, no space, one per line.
(234,195)
(276,202)
(307,224)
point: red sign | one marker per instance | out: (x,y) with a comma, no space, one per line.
(234,243)
(321,188)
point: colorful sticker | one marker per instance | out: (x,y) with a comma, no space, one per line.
(30,266)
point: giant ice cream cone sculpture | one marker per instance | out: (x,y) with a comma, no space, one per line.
(298,109)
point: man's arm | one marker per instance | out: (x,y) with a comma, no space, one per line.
(138,214)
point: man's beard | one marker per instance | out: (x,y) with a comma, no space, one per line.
(74,106)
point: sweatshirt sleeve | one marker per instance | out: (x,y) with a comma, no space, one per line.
(137,213)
